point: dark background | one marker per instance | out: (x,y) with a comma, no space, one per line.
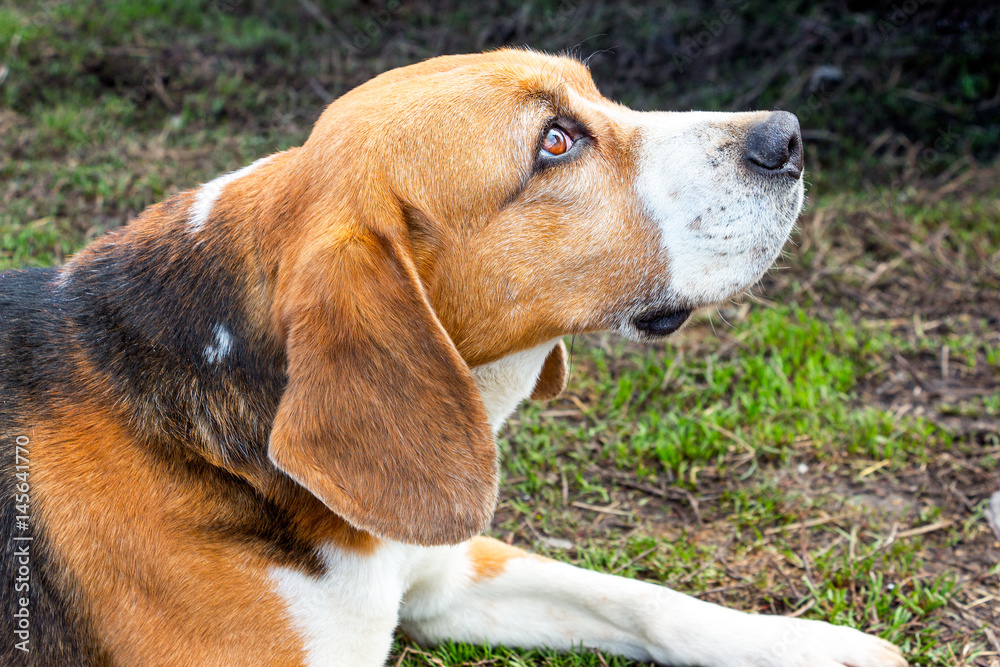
(880,88)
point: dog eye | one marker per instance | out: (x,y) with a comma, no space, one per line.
(556,142)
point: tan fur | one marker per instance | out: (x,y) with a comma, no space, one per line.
(489,557)
(501,276)
(383,284)
(157,590)
(358,236)
(399,385)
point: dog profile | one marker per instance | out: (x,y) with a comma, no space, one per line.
(256,425)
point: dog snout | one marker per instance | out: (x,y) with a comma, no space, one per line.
(774,146)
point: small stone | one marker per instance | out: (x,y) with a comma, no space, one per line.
(993,513)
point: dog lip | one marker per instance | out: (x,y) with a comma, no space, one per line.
(662,323)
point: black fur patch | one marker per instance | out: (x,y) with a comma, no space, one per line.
(141,309)
(206,416)
(37,604)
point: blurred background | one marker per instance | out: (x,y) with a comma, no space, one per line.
(827,448)
(885,91)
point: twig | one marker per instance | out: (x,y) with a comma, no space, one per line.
(721,589)
(992,637)
(788,580)
(669,375)
(922,530)
(408,650)
(729,434)
(873,467)
(603,510)
(639,557)
(803,609)
(811,523)
(694,506)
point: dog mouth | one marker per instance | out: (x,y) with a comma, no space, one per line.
(662,322)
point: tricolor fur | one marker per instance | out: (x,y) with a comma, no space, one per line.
(260,417)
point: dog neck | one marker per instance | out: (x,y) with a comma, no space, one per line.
(167,323)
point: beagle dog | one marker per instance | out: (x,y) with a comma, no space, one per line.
(256,425)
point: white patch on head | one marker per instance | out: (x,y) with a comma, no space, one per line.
(222,346)
(721,225)
(208,193)
(64,275)
(504,383)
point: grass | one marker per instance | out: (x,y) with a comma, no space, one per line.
(719,449)
(826,449)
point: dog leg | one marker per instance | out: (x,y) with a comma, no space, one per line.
(485,591)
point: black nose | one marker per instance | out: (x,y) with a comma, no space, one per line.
(774,146)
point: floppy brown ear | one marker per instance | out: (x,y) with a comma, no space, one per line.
(552,380)
(381,419)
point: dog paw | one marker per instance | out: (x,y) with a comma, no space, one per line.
(793,642)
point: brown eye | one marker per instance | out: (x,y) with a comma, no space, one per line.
(556,142)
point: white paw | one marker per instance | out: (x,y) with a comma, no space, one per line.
(794,642)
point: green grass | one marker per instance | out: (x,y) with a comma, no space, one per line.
(789,376)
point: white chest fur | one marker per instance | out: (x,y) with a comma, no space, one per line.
(346,617)
(504,383)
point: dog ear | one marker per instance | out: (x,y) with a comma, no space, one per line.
(552,380)
(381,419)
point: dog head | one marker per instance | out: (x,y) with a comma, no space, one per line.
(449,213)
